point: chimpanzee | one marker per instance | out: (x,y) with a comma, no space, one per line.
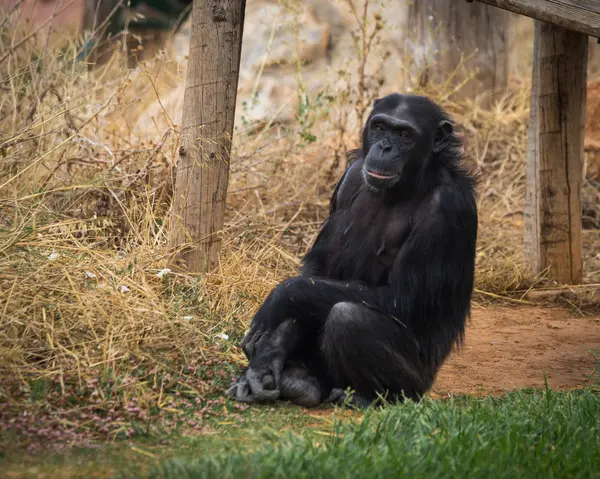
(385,291)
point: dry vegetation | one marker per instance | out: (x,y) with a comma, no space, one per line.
(94,334)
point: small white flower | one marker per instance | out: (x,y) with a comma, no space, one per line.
(223,336)
(187,318)
(124,289)
(163,272)
(430,18)
(52,256)
(89,274)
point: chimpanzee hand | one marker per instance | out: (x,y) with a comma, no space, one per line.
(267,352)
(254,340)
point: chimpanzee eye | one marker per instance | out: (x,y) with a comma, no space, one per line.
(405,134)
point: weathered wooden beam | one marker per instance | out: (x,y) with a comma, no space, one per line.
(208,118)
(555,153)
(579,15)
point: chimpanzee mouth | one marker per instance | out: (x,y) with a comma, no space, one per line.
(381,176)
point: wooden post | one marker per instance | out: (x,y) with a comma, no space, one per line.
(555,153)
(208,118)
(442,32)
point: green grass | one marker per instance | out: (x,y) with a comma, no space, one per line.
(522,434)
(224,429)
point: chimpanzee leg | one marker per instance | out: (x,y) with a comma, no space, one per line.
(305,299)
(300,386)
(373,354)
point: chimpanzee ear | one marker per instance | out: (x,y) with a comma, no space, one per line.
(443,135)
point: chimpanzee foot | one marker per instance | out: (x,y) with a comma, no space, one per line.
(340,397)
(299,387)
(260,383)
(251,390)
(266,351)
(240,390)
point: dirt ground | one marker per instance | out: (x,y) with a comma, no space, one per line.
(507,348)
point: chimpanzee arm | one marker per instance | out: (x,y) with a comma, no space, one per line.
(309,300)
(313,264)
(433,273)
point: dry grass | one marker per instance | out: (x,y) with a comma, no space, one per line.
(90,323)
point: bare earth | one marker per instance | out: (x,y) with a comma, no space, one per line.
(508,348)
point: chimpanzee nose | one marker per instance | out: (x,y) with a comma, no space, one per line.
(386,145)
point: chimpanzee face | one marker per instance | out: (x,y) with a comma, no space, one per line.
(401,133)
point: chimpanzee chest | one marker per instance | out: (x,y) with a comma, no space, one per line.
(366,239)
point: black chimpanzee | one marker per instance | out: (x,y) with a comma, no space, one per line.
(385,291)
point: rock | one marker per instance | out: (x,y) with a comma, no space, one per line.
(276,39)
(271,53)
(270,37)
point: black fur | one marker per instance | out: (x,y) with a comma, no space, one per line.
(384,293)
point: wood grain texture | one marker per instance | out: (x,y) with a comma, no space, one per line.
(208,118)
(579,15)
(442,33)
(555,153)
